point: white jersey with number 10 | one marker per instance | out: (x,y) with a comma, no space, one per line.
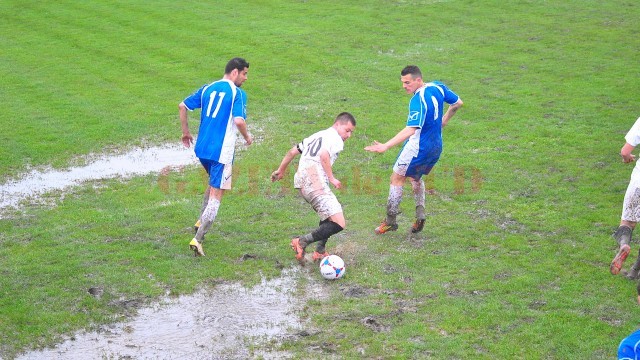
(310,149)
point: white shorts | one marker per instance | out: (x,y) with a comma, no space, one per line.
(631,204)
(315,189)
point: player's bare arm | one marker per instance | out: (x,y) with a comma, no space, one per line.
(626,154)
(451,111)
(242,127)
(279,173)
(400,137)
(325,161)
(187,139)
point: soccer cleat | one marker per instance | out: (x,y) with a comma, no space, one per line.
(384,227)
(196,246)
(196,226)
(297,248)
(417,226)
(621,256)
(319,256)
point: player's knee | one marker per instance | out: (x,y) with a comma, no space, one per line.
(339,220)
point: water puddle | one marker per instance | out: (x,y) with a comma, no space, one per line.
(226,322)
(133,163)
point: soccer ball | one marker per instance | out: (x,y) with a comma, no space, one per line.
(332,267)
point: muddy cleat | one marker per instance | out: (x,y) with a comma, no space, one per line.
(384,227)
(621,256)
(417,226)
(297,248)
(196,246)
(319,256)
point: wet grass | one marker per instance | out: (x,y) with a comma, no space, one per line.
(513,261)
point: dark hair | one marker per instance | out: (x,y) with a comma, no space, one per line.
(236,63)
(345,117)
(413,70)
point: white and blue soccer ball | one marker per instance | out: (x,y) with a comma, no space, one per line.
(332,267)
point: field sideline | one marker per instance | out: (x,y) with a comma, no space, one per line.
(514,259)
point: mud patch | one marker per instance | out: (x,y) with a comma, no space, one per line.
(227,321)
(374,324)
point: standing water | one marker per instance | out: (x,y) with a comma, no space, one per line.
(225,322)
(133,163)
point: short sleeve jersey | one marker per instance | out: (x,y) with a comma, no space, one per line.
(220,101)
(309,148)
(633,137)
(426,109)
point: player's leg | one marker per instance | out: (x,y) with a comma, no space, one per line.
(321,250)
(205,202)
(623,238)
(626,227)
(634,270)
(210,212)
(407,165)
(393,204)
(419,196)
(421,166)
(630,216)
(321,246)
(326,205)
(219,181)
(205,198)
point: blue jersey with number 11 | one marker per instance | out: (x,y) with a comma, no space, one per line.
(220,101)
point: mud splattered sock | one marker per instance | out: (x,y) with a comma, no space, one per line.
(306,240)
(418,195)
(393,204)
(321,247)
(205,200)
(208,217)
(623,235)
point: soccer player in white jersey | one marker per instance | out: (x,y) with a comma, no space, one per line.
(318,153)
(422,139)
(630,207)
(223,112)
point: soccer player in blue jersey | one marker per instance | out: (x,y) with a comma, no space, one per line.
(422,139)
(223,112)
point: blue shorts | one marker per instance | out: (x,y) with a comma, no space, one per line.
(629,347)
(413,163)
(219,174)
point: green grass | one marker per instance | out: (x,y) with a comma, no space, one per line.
(513,261)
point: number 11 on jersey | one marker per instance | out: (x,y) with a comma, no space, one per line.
(218,103)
